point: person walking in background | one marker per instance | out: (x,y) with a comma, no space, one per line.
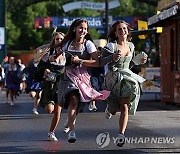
(5,62)
(120,80)
(12,77)
(75,86)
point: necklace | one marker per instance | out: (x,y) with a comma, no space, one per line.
(77,45)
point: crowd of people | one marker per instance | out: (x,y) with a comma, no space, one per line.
(71,71)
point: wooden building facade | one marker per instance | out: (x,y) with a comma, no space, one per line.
(169,46)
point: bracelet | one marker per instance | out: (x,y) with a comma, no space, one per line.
(81,63)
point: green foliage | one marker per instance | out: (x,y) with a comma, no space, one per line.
(125,9)
(143,9)
(13,32)
(33,36)
(94,33)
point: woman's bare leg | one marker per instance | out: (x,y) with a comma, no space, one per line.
(56,117)
(37,99)
(32,94)
(72,108)
(123,120)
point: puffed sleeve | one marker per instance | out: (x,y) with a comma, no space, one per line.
(90,47)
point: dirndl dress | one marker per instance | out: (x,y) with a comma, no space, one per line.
(122,82)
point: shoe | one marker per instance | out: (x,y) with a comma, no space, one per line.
(66,127)
(12,103)
(52,137)
(121,140)
(92,107)
(71,137)
(35,111)
(108,115)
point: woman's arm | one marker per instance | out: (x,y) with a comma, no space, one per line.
(4,64)
(92,62)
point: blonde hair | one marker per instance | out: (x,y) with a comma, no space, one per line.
(45,48)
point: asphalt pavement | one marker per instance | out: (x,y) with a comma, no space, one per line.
(154,129)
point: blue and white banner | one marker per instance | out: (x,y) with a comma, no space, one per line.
(94,22)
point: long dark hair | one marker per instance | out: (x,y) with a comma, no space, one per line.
(70,35)
(112,37)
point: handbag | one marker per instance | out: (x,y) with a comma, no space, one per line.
(51,77)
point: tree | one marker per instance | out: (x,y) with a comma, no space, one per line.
(13,32)
(17,5)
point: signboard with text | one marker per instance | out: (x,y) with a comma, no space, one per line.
(89,5)
(152,83)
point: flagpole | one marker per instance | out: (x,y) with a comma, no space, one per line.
(107,17)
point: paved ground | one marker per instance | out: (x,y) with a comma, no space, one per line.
(154,129)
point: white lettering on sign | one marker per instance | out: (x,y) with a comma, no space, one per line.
(66,22)
(89,5)
(92,22)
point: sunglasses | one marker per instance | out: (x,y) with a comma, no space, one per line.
(58,39)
